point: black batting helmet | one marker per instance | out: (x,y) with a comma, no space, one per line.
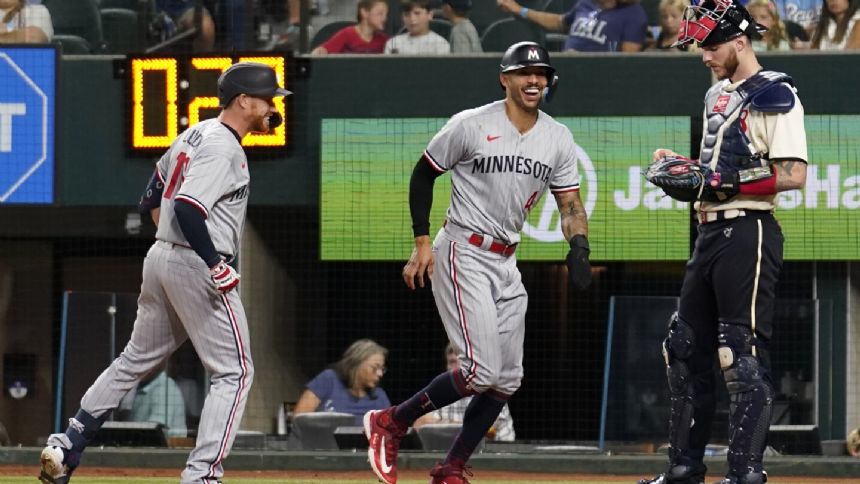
(251,78)
(713,22)
(527,54)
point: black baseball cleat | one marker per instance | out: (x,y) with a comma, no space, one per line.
(680,474)
(750,478)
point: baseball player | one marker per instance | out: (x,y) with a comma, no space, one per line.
(502,158)
(754,146)
(197,197)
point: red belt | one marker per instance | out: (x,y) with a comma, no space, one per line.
(495,246)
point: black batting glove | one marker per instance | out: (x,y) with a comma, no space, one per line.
(578,267)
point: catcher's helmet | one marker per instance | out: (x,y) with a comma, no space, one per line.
(527,54)
(713,22)
(251,78)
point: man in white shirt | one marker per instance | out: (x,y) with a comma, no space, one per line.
(418,38)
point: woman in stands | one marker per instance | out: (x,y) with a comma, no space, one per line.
(351,385)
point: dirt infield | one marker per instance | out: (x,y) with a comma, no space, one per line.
(367,476)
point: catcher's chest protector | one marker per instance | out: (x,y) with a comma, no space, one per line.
(725,146)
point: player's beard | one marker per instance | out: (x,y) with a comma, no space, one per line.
(260,125)
(730,66)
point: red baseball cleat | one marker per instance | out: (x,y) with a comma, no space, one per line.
(383,437)
(449,474)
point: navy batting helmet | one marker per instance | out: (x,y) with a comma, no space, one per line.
(713,22)
(251,78)
(528,54)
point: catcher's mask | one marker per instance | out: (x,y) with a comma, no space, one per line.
(526,54)
(713,22)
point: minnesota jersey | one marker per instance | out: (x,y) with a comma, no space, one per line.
(498,174)
(213,177)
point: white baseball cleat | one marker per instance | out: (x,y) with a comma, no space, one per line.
(54,469)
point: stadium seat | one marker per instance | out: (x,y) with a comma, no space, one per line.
(71,44)
(77,17)
(121,30)
(440,26)
(327,30)
(558,6)
(502,33)
(129,4)
(315,431)
(484,13)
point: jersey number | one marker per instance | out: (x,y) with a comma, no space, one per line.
(178,175)
(530,203)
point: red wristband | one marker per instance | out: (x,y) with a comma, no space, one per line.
(766,186)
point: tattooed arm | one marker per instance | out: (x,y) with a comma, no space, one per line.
(790,174)
(574,220)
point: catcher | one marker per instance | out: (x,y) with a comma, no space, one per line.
(754,146)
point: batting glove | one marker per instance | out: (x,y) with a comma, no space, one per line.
(578,267)
(224,277)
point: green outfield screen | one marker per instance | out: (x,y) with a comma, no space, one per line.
(366,165)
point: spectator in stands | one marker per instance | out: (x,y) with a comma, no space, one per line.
(502,430)
(464,36)
(765,13)
(365,37)
(592,25)
(671,12)
(181,14)
(23,23)
(351,385)
(418,38)
(803,13)
(839,26)
(157,398)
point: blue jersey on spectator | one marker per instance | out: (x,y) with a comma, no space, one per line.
(335,397)
(803,12)
(596,30)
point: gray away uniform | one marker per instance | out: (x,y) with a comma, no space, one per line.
(497,176)
(206,167)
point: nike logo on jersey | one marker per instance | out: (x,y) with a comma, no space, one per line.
(492,138)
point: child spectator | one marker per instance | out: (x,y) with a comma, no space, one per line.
(464,36)
(24,23)
(365,37)
(764,12)
(418,39)
(839,26)
(671,12)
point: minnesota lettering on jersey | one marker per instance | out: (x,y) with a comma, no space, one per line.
(512,164)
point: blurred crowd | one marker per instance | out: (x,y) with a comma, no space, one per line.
(407,27)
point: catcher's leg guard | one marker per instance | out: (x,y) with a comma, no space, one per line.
(678,347)
(751,401)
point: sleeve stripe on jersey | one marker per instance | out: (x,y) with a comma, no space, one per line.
(566,188)
(194,203)
(160,177)
(436,166)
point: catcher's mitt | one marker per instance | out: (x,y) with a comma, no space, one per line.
(681,178)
